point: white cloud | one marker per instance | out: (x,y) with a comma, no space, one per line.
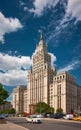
(40,5)
(14,77)
(12,68)
(11,73)
(8,25)
(8,62)
(71,66)
(74,8)
(53,59)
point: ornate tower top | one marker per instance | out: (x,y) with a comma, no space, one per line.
(41,37)
(41,45)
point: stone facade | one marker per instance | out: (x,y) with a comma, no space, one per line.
(45,85)
(6,106)
(25,100)
(65,92)
(41,76)
(78,98)
(18,99)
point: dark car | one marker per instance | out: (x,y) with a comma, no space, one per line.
(49,115)
(59,115)
(1,117)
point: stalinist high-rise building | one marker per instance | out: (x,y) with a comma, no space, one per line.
(45,85)
(40,77)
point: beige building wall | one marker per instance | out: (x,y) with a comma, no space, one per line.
(65,92)
(78,98)
(18,99)
(25,100)
(45,85)
(71,95)
(59,88)
(41,76)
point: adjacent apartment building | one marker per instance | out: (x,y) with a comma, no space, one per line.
(45,85)
(19,98)
(6,106)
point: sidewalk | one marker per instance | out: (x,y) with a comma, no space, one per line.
(11,126)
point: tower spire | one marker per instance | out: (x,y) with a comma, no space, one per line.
(41,36)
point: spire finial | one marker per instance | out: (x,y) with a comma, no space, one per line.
(41,37)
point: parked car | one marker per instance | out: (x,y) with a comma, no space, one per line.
(68,117)
(33,119)
(59,115)
(77,118)
(40,116)
(1,116)
(48,115)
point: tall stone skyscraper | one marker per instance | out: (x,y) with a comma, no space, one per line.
(40,77)
(44,84)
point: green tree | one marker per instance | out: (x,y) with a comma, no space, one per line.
(8,111)
(1,111)
(3,95)
(11,111)
(42,107)
(59,110)
(52,110)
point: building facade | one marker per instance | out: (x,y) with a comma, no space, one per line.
(45,85)
(25,100)
(18,98)
(6,106)
(65,92)
(40,77)
(79,98)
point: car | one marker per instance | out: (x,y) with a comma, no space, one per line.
(58,115)
(68,117)
(33,119)
(77,118)
(2,117)
(80,118)
(40,115)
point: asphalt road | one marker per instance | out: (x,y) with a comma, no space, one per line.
(47,124)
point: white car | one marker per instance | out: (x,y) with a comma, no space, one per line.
(68,117)
(33,119)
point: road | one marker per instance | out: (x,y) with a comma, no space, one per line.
(47,124)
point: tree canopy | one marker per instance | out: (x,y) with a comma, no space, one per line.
(11,111)
(3,95)
(42,107)
(8,111)
(59,110)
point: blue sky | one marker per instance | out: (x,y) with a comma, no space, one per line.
(20,24)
